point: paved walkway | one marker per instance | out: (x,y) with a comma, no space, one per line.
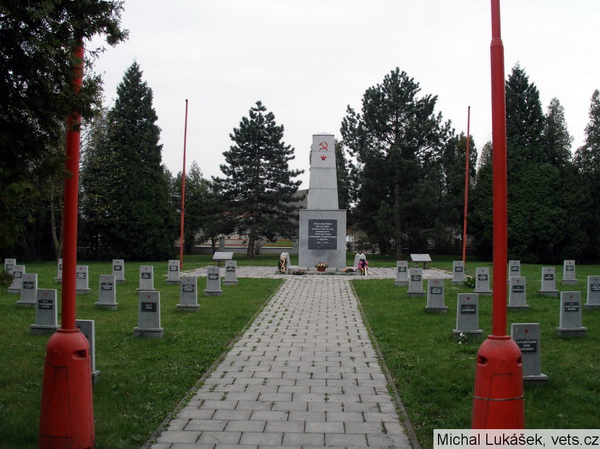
(304,375)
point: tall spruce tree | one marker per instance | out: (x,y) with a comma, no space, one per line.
(130,189)
(397,141)
(258,182)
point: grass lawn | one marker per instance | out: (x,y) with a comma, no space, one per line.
(434,374)
(141,380)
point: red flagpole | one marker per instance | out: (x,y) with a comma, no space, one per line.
(464,249)
(181,237)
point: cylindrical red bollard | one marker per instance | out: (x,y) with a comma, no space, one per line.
(498,399)
(67,413)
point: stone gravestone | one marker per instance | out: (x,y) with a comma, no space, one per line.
(570,315)
(514,269)
(213,282)
(467,316)
(82,283)
(17,283)
(401,273)
(322,225)
(188,296)
(149,316)
(415,282)
(435,296)
(107,295)
(230,273)
(29,290)
(482,281)
(593,292)
(517,293)
(9,264)
(458,272)
(58,277)
(88,328)
(569,277)
(118,270)
(46,316)
(146,278)
(548,282)
(173,272)
(527,338)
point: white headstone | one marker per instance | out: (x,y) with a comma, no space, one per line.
(527,338)
(118,270)
(88,328)
(46,316)
(569,276)
(59,267)
(149,316)
(29,290)
(9,264)
(458,272)
(82,283)
(482,281)
(548,287)
(467,315)
(107,294)
(17,283)
(146,278)
(570,323)
(514,269)
(517,293)
(401,273)
(593,292)
(230,273)
(213,282)
(173,272)
(415,282)
(436,296)
(188,296)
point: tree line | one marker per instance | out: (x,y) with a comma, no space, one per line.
(401,166)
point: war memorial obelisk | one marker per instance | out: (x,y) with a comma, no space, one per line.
(322,236)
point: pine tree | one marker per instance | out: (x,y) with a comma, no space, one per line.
(258,182)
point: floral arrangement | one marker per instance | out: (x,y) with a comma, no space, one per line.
(363,263)
(321,265)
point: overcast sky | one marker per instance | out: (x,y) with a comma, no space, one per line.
(308,60)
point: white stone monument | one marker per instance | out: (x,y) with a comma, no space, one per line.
(482,281)
(17,283)
(415,282)
(401,273)
(188,294)
(149,316)
(458,272)
(467,315)
(517,293)
(29,290)
(59,266)
(173,272)
(436,296)
(527,338)
(514,269)
(82,280)
(146,278)
(107,294)
(46,315)
(322,228)
(213,282)
(570,322)
(569,276)
(9,264)
(230,273)
(118,269)
(548,282)
(88,328)
(593,292)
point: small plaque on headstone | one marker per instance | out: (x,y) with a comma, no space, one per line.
(46,316)
(517,293)
(467,315)
(230,273)
(188,297)
(401,273)
(436,296)
(107,294)
(593,292)
(88,328)
(118,269)
(527,337)
(173,272)
(482,281)
(458,272)
(59,266)
(213,282)
(82,282)
(29,290)
(149,316)
(17,283)
(415,282)
(146,278)
(569,276)
(570,315)
(548,283)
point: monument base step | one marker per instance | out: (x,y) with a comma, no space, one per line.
(148,332)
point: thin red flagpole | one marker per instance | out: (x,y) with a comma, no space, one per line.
(464,249)
(181,238)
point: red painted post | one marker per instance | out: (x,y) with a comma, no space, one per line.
(466,210)
(67,411)
(498,396)
(181,237)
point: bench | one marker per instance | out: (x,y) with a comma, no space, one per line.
(222,255)
(420,258)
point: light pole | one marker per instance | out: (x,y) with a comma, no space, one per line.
(181,231)
(466,209)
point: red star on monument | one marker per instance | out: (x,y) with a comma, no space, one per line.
(323,158)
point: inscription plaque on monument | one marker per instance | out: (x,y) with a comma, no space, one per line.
(322,234)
